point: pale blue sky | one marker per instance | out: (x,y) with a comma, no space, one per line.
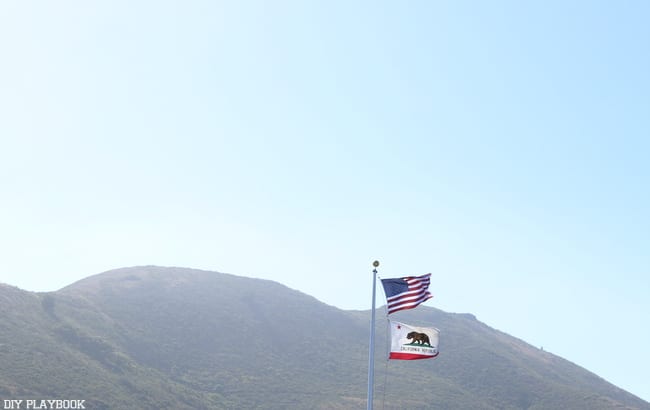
(502,146)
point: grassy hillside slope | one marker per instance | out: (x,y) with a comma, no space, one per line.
(172,338)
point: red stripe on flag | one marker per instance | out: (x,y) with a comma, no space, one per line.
(410,356)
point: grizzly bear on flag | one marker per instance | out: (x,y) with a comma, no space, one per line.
(419,338)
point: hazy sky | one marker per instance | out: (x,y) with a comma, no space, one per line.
(502,146)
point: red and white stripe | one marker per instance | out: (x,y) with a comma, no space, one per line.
(417,293)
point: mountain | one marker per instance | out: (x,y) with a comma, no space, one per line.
(173,338)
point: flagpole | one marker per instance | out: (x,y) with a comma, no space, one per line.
(371,354)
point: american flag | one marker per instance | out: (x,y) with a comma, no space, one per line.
(406,293)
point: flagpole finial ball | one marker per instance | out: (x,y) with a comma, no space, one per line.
(375,263)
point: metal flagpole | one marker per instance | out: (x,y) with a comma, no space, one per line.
(371,354)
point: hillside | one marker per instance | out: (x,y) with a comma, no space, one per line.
(172,338)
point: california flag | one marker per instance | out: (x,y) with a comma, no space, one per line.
(410,342)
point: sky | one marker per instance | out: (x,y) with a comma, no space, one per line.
(502,146)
